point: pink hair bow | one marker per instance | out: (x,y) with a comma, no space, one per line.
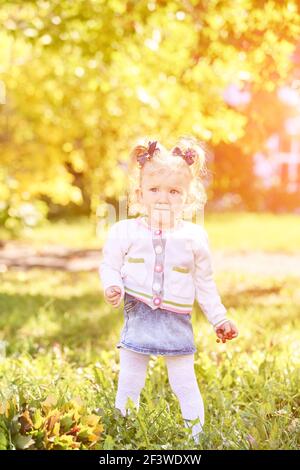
(188,155)
(148,154)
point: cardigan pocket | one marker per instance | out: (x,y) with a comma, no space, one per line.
(182,282)
(134,269)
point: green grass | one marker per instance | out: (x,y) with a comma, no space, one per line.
(60,342)
(252,231)
(58,346)
(78,232)
(232,231)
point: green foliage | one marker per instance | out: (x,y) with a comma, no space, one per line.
(17,215)
(47,427)
(84,79)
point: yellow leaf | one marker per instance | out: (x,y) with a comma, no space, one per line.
(56,429)
(91,420)
(50,401)
(52,420)
(93,438)
(77,402)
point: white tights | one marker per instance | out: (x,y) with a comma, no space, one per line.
(182,379)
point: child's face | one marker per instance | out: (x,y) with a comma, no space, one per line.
(164,194)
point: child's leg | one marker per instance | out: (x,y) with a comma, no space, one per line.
(184,384)
(133,369)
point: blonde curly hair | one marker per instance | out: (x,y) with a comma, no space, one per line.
(166,159)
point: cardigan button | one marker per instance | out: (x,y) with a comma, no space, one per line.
(158,268)
(157,300)
(157,232)
(158,249)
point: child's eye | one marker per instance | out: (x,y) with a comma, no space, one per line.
(174,191)
(153,190)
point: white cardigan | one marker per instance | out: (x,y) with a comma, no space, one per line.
(165,269)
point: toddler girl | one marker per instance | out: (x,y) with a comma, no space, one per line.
(159,263)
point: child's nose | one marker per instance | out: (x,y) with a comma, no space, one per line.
(163,197)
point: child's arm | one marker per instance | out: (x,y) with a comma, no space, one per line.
(206,291)
(110,265)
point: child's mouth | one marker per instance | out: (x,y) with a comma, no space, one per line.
(162,207)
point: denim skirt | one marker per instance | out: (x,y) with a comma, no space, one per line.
(158,332)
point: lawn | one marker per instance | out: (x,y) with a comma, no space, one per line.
(229,231)
(59,364)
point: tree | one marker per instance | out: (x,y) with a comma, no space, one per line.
(85,78)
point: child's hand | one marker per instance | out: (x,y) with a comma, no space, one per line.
(226,331)
(113,295)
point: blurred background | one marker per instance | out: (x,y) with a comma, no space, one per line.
(80,81)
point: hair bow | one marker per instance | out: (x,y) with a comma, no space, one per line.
(141,159)
(188,155)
